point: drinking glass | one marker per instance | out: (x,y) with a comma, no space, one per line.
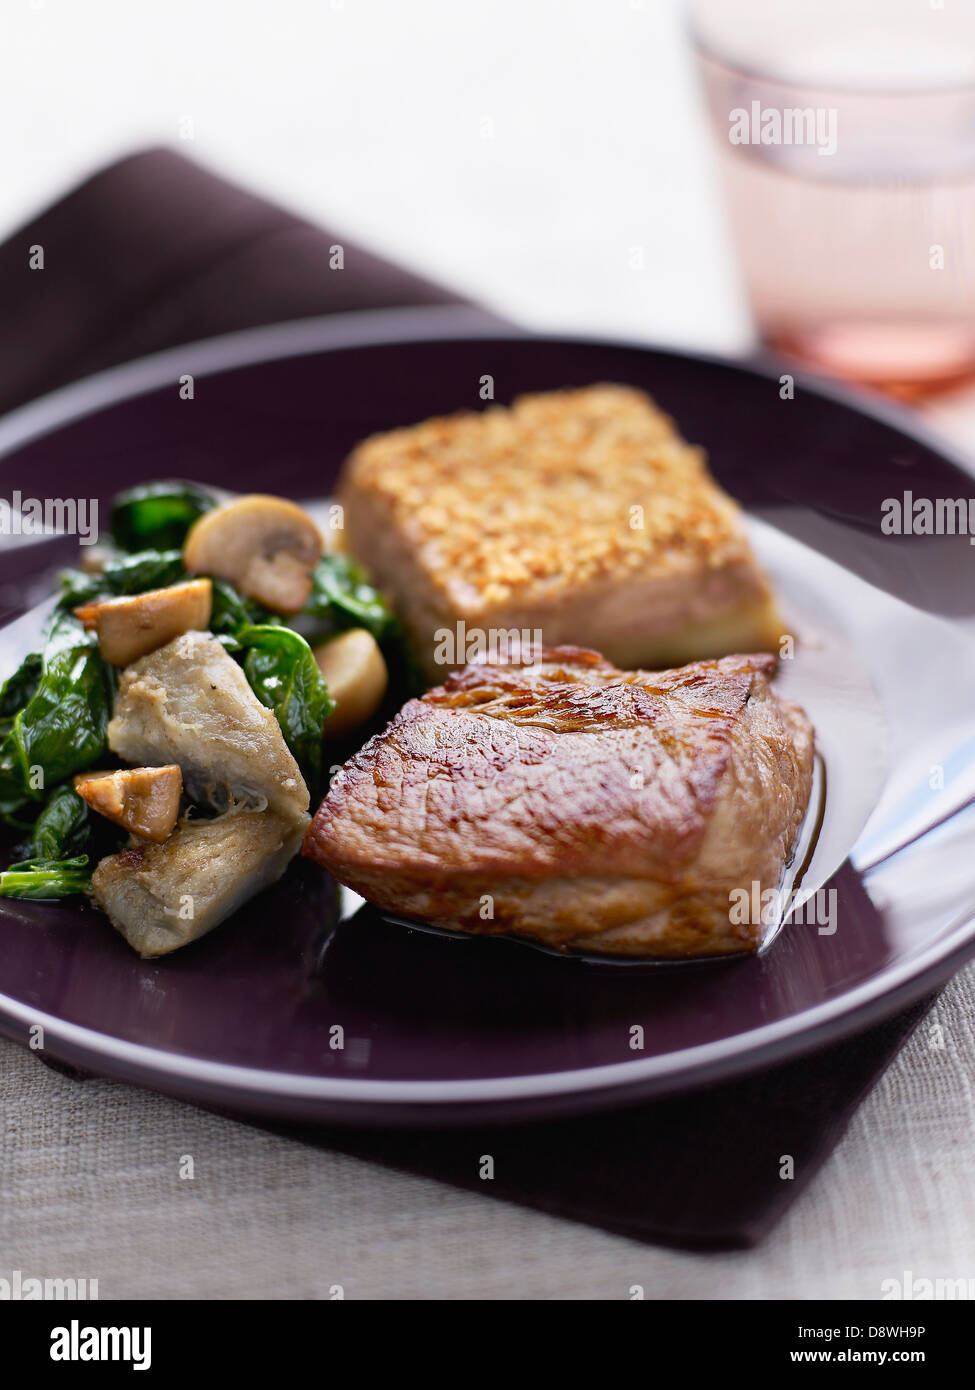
(845,138)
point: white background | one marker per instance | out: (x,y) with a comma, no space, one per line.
(517,149)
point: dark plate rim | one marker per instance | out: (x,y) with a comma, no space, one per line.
(359,1100)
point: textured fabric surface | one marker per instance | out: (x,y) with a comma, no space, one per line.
(637,1171)
(90,1186)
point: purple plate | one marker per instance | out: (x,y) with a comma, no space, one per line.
(443,1029)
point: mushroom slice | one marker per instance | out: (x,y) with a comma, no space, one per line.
(162,896)
(142,800)
(265,546)
(131,626)
(356,676)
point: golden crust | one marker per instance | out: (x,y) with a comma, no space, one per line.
(553,513)
(515,500)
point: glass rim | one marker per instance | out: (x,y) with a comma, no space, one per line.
(757,73)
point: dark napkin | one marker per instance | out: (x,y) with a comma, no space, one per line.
(701,1171)
(154,252)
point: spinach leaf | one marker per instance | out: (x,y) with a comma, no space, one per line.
(342,598)
(62,727)
(19,688)
(145,569)
(231,611)
(285,677)
(78,588)
(46,878)
(157,515)
(127,574)
(62,828)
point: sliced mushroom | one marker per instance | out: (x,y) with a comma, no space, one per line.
(266,547)
(143,800)
(132,626)
(356,676)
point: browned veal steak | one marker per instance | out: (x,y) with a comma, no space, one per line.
(577,804)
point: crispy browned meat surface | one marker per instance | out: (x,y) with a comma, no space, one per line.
(582,514)
(586,807)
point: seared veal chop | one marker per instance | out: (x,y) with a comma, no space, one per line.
(583,806)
